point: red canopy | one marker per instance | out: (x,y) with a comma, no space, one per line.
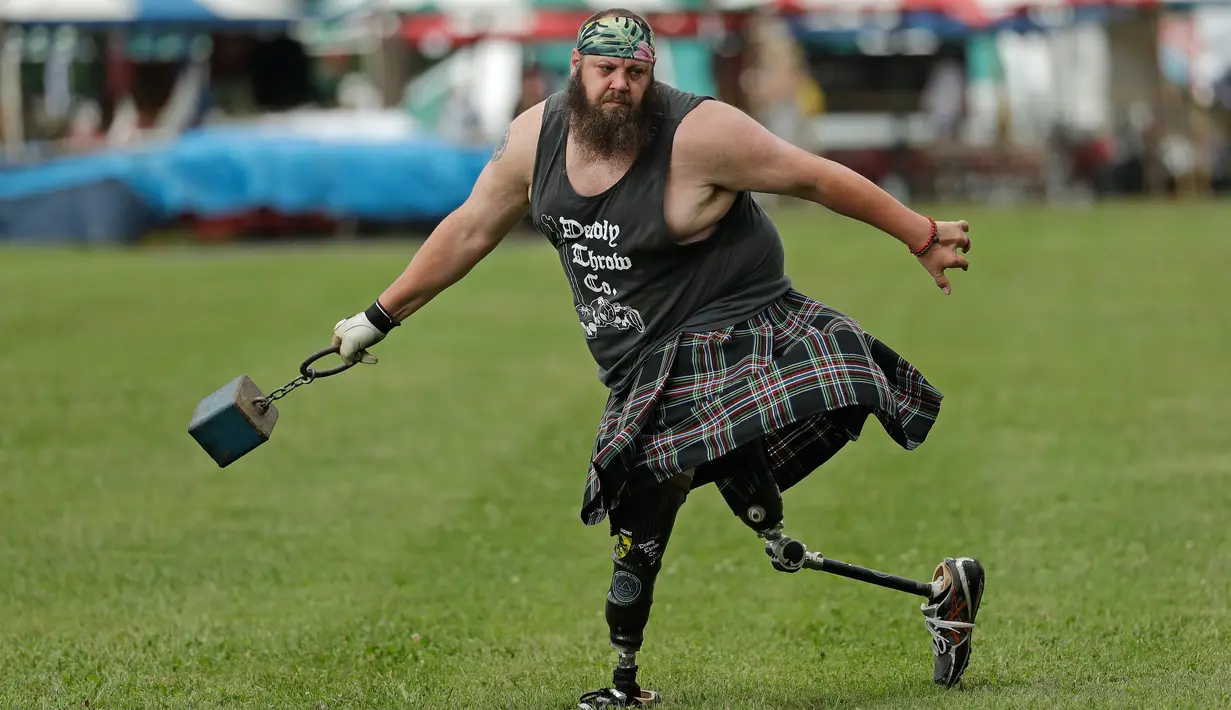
(557,25)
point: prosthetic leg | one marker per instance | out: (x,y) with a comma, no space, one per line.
(643,525)
(953,596)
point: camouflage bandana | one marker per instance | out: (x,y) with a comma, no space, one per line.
(619,37)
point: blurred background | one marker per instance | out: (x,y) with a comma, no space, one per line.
(232,119)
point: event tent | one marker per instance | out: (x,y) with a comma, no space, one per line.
(214,13)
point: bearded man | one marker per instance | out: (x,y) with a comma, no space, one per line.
(718,370)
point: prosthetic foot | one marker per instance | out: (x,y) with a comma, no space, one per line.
(626,693)
(612,698)
(949,616)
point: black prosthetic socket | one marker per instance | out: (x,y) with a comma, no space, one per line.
(747,485)
(629,599)
(643,524)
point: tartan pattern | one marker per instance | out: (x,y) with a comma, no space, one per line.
(799,373)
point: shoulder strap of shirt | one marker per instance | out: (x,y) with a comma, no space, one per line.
(550,146)
(675,105)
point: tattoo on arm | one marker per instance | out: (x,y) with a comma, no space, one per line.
(504,143)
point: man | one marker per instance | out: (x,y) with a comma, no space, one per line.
(719,371)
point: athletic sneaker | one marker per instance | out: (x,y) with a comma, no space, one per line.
(950,617)
(612,698)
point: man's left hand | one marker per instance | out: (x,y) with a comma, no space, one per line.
(950,237)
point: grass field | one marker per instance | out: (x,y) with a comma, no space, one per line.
(409,537)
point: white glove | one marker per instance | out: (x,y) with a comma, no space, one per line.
(355,335)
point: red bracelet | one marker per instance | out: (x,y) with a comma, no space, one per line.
(931,240)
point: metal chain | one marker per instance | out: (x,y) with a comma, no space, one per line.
(283,391)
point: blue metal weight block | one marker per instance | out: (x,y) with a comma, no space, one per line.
(239,417)
(233,421)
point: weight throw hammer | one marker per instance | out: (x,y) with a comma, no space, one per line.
(238,417)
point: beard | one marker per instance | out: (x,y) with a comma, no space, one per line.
(607,132)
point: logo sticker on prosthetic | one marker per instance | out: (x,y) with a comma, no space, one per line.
(623,544)
(625,588)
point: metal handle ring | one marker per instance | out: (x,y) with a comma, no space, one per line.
(312,373)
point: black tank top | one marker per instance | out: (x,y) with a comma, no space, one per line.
(633,286)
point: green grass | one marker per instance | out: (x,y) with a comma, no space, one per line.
(409,537)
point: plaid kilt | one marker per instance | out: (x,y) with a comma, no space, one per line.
(799,373)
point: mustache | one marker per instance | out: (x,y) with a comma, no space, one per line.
(612,130)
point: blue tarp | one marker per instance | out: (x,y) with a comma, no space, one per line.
(177,11)
(234,171)
(104,212)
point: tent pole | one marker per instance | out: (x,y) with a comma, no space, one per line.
(10,93)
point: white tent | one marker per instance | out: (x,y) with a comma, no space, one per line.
(126,12)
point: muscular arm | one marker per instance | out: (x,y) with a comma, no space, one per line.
(498,201)
(725,148)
